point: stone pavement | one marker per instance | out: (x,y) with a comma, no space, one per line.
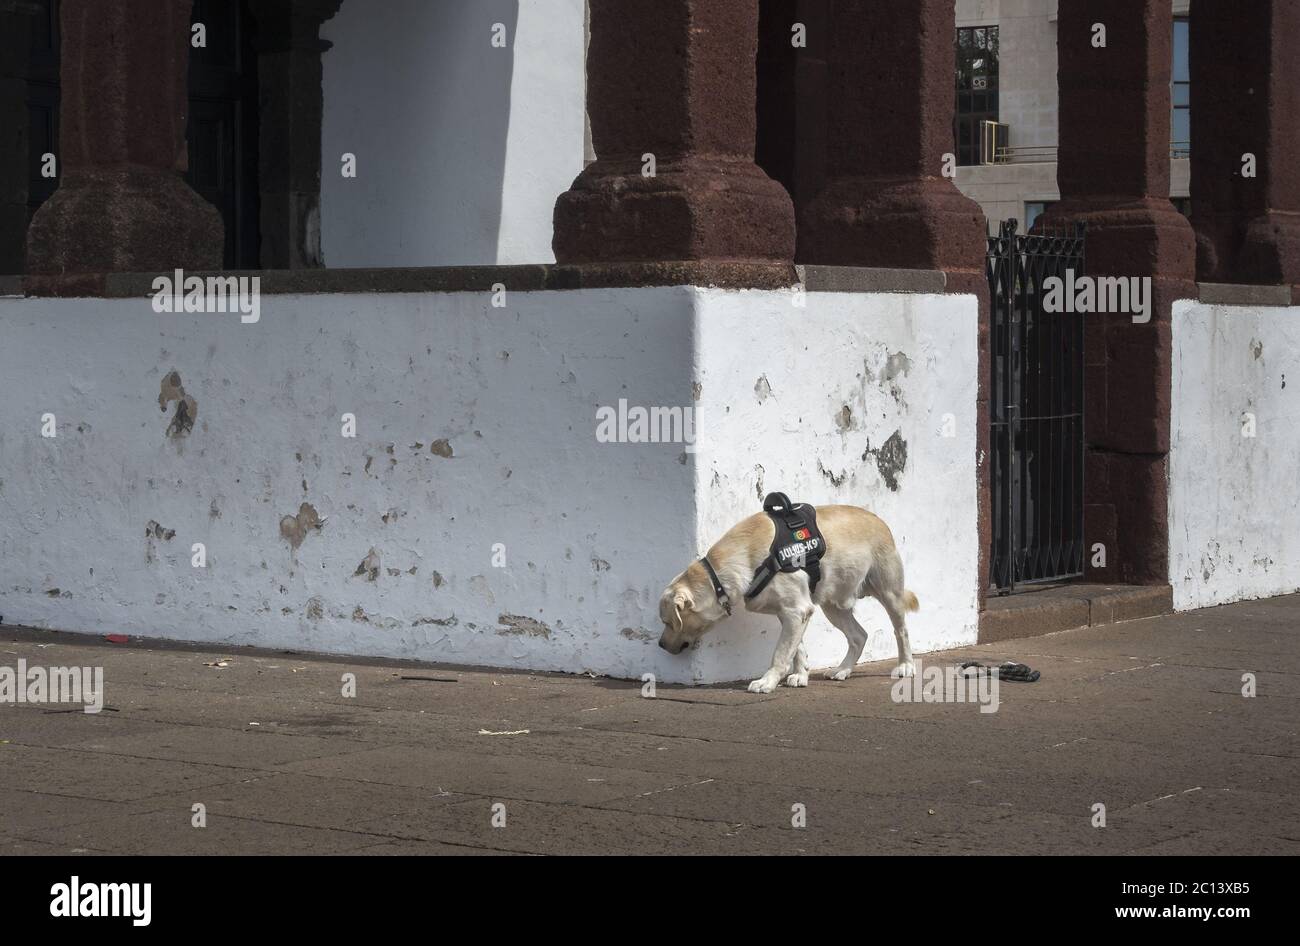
(1145,717)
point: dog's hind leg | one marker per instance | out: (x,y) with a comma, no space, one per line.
(896,608)
(799,671)
(843,619)
(886,580)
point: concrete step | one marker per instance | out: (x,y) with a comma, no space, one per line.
(1046,609)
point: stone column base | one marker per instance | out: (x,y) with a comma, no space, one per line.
(1127,513)
(693,208)
(1270,252)
(1140,237)
(921,223)
(124,219)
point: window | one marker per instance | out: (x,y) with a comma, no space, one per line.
(1181,126)
(977,88)
(1033,210)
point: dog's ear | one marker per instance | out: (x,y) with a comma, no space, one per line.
(682,601)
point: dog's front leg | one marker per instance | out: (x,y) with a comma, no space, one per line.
(799,672)
(793,624)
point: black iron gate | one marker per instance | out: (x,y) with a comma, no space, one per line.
(1036,400)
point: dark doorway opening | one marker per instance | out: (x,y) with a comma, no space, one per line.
(222,130)
(42,102)
(223,125)
(791,99)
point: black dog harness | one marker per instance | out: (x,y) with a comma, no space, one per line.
(797,545)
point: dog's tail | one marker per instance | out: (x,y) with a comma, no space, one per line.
(910,602)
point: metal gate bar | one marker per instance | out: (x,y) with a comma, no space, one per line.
(1036,403)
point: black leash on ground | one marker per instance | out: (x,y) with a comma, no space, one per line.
(1007,670)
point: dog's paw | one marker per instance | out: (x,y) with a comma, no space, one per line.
(839,674)
(761,685)
(903,670)
(797,679)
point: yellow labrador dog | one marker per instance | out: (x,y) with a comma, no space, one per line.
(859,560)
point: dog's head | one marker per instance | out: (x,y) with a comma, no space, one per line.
(688,610)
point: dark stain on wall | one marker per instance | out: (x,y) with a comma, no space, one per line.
(891,459)
(171,389)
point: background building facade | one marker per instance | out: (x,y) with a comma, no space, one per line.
(1009,49)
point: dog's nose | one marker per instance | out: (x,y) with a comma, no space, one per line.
(662,644)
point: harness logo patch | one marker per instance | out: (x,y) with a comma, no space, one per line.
(799,552)
(802,534)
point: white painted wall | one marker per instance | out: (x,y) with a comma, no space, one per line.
(591,531)
(775,382)
(1234,522)
(461,148)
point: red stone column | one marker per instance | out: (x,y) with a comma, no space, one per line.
(122,204)
(674,79)
(885,201)
(1246,100)
(1113,173)
(890,101)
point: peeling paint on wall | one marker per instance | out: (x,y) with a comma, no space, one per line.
(187,408)
(153,532)
(450,621)
(891,458)
(844,418)
(519,624)
(832,478)
(896,364)
(158,532)
(296,528)
(369,567)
